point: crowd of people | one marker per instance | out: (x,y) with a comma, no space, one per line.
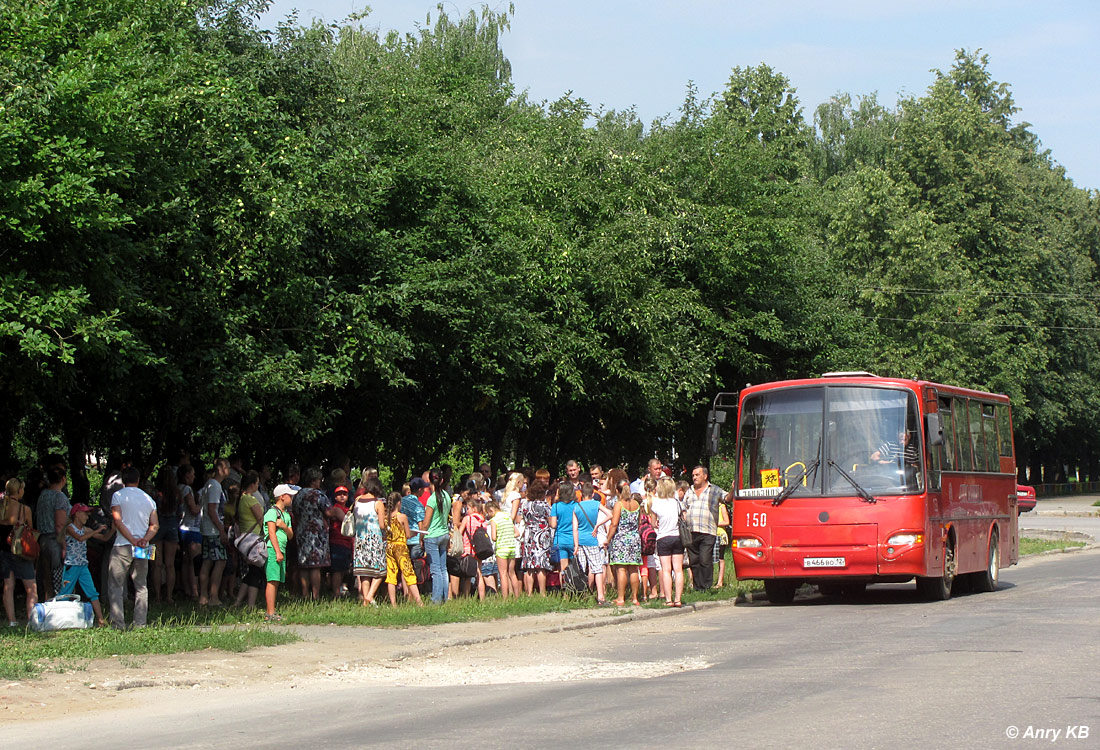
(224,535)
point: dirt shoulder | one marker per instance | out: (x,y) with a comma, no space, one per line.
(325,652)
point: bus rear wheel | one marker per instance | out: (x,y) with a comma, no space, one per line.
(986,580)
(938,589)
(780,591)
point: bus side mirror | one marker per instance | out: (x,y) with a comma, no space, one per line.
(715,419)
(713,435)
(935,431)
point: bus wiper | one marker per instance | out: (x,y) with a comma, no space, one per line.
(866,496)
(790,488)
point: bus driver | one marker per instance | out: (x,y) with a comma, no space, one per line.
(889,452)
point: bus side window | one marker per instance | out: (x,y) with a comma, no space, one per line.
(1004,431)
(976,441)
(949,461)
(989,429)
(962,425)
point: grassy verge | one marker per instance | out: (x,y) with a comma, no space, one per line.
(24,653)
(348,611)
(1031,546)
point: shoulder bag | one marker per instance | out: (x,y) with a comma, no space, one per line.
(684,526)
(458,564)
(347,526)
(468,565)
(23,540)
(253,548)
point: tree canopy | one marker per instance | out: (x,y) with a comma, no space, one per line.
(326,240)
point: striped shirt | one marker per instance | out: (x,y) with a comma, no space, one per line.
(506,531)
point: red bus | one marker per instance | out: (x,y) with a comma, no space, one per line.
(851,479)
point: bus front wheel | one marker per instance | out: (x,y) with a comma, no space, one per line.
(938,589)
(780,591)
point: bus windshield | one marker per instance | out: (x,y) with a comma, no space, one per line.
(802,436)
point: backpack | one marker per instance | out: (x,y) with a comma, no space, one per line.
(482,544)
(647,533)
(573,579)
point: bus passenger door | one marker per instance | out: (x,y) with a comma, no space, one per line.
(934,453)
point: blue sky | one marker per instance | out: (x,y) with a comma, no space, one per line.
(643,53)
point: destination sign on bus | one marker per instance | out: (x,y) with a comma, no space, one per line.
(759,491)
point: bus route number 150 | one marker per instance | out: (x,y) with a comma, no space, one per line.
(756,520)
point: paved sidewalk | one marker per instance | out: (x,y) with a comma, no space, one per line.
(1066,505)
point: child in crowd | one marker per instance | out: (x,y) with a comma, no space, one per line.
(474,520)
(77,535)
(280,530)
(503,533)
(340,546)
(397,551)
(651,570)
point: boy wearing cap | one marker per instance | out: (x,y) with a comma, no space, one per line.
(77,535)
(279,530)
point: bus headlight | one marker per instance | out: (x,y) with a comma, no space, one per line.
(747,542)
(902,540)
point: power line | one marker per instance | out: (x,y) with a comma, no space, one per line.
(944,292)
(984,323)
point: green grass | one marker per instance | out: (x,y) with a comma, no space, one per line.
(349,611)
(1031,546)
(24,653)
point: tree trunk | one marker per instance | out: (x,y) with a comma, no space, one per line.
(1035,468)
(76,448)
(496,461)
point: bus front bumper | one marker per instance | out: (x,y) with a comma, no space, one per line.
(844,551)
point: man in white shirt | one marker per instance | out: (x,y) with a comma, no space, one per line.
(638,485)
(135,517)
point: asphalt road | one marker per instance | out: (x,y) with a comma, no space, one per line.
(884,670)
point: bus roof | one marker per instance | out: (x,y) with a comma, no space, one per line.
(873,380)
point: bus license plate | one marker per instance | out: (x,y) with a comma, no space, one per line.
(823,562)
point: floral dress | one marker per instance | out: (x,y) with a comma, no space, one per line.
(538,537)
(312,532)
(369,558)
(626,545)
